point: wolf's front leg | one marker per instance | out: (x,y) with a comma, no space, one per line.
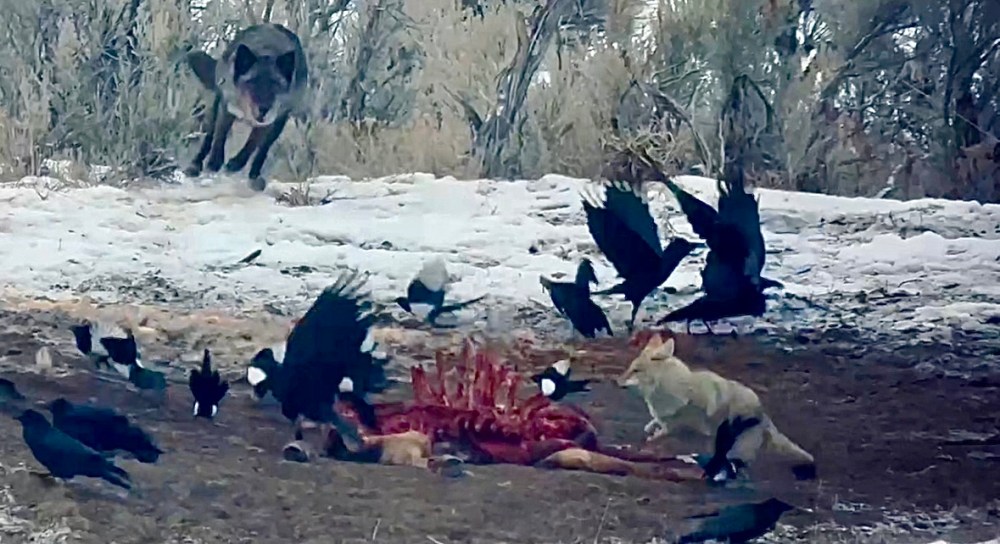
(257,181)
(237,163)
(194,168)
(223,124)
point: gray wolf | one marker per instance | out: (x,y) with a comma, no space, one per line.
(260,79)
(700,400)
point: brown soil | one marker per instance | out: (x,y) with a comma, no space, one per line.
(875,427)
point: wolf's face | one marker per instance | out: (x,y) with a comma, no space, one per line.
(654,360)
(263,83)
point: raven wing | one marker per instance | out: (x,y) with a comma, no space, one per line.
(326,346)
(739,212)
(703,218)
(623,229)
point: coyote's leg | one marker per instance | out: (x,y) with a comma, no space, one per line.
(206,143)
(257,182)
(223,124)
(659,433)
(651,426)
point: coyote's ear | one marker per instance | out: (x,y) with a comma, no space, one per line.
(668,347)
(243,61)
(286,65)
(654,342)
(203,66)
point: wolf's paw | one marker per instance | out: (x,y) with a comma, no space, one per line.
(192,170)
(258,183)
(235,165)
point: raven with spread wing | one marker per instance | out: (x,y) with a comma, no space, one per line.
(624,231)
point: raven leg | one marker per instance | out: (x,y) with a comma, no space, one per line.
(709,327)
(631,322)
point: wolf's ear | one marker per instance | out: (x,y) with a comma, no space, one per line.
(286,65)
(203,66)
(243,61)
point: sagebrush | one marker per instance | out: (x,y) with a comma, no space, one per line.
(870,98)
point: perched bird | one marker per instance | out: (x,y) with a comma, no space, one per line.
(207,387)
(572,299)
(427,289)
(554,381)
(103,429)
(8,391)
(624,231)
(719,467)
(109,345)
(331,342)
(65,456)
(731,278)
(738,523)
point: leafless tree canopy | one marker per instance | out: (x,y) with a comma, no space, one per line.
(885,97)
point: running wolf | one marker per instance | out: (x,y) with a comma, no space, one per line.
(260,80)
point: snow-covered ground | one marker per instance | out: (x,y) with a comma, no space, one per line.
(922,268)
(916,270)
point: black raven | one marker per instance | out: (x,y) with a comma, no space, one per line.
(428,289)
(65,456)
(108,345)
(330,343)
(8,391)
(103,429)
(554,381)
(739,523)
(624,231)
(207,387)
(731,279)
(720,467)
(572,299)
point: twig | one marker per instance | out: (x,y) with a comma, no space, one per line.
(604,516)
(250,258)
(375,530)
(434,540)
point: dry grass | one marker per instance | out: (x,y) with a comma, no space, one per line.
(95,84)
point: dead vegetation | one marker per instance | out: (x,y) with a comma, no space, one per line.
(883,98)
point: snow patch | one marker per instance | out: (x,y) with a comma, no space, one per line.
(880,265)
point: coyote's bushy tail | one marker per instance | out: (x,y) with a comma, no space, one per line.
(805,464)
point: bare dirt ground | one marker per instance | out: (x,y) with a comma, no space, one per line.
(875,424)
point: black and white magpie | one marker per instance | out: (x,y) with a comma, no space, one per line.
(555,383)
(108,345)
(207,387)
(425,293)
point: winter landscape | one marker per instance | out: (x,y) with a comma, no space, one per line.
(198,173)
(876,354)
